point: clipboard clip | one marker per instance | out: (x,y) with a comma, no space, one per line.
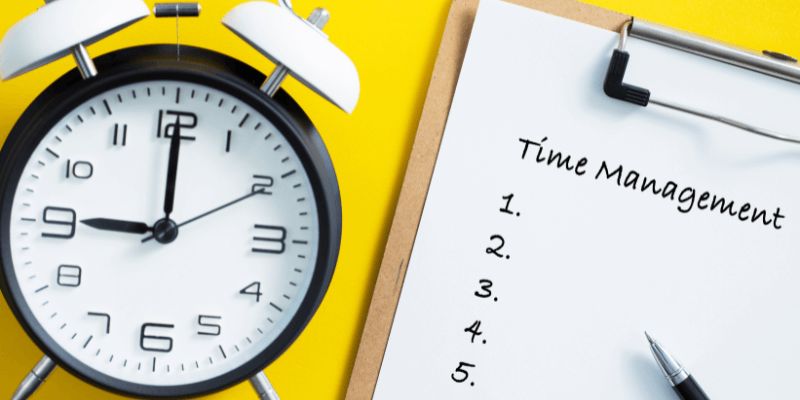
(770,63)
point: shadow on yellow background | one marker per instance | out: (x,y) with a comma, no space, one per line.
(393,43)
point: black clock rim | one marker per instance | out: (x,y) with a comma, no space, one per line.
(200,66)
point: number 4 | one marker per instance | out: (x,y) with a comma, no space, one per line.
(257,291)
(475,330)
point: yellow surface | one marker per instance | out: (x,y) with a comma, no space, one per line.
(393,44)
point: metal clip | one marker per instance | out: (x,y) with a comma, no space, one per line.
(614,86)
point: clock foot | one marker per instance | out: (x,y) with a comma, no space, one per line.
(36,378)
(262,386)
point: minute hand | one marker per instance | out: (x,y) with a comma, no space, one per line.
(172,170)
(262,191)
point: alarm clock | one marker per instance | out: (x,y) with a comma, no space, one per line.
(170,218)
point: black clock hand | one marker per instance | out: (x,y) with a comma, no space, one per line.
(262,191)
(116,225)
(172,170)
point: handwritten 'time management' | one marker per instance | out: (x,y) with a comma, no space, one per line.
(686,196)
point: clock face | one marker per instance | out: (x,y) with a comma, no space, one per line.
(214,284)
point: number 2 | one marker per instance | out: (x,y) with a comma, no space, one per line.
(496,250)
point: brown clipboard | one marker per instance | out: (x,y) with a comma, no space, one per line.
(420,170)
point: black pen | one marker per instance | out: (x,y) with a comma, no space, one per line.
(681,380)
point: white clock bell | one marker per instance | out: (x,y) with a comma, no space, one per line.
(169,225)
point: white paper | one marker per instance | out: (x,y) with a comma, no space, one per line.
(592,264)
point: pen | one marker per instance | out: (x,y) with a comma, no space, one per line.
(680,379)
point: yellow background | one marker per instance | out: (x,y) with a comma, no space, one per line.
(393,43)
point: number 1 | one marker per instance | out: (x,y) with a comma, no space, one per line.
(508,204)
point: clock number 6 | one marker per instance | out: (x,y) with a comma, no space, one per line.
(70,223)
(164,342)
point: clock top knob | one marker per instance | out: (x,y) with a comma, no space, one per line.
(59,28)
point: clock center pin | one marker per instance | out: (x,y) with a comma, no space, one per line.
(165,231)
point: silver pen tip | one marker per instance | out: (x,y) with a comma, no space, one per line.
(672,369)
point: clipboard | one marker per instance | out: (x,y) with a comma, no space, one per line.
(426,147)
(420,170)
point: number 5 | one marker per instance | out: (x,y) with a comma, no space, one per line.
(461,371)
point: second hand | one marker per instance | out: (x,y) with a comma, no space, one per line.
(262,191)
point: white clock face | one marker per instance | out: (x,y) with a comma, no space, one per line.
(164,311)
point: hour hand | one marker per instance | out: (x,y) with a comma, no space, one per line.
(116,225)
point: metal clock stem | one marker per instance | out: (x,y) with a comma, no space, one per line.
(36,378)
(82,58)
(318,18)
(84,61)
(263,387)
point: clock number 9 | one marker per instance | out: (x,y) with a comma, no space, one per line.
(70,223)
(164,347)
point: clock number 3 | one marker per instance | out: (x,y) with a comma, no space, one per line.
(279,240)
(51,212)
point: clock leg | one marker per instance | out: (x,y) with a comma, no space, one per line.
(262,386)
(36,378)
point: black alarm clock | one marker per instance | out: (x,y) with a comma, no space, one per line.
(170,221)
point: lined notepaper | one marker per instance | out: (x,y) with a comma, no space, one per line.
(561,224)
